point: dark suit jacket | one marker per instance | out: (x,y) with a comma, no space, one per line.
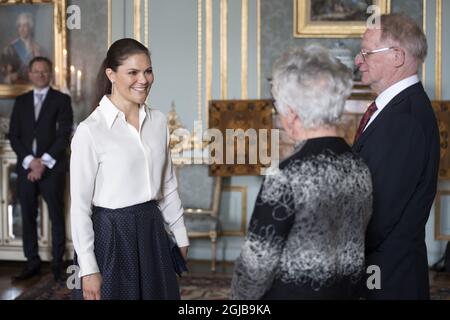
(52,129)
(401,148)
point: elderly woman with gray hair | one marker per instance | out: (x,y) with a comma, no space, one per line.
(306,235)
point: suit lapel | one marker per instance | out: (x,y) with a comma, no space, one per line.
(385,112)
(371,128)
(29,107)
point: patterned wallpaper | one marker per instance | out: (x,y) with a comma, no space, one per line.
(277,32)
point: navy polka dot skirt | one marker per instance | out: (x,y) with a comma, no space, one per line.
(133,254)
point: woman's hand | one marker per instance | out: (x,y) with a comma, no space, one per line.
(91,286)
(184,252)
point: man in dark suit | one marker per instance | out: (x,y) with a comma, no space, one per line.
(40,129)
(399,140)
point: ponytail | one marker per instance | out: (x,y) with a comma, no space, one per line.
(104,86)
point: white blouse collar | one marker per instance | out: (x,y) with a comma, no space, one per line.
(111,112)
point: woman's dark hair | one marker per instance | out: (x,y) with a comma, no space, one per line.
(118,52)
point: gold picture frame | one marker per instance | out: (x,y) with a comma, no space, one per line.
(13,69)
(438,235)
(331,25)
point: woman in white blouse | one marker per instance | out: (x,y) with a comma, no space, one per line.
(123,188)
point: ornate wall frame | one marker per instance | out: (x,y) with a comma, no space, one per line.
(59,54)
(305,27)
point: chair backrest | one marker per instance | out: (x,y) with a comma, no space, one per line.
(199,192)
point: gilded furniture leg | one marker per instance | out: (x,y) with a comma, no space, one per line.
(213,236)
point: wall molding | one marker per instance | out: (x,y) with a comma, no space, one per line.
(137,20)
(438,84)
(199,58)
(258,48)
(223,49)
(209,57)
(244,49)
(146,23)
(424,28)
(109,23)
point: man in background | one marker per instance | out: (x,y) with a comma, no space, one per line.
(399,140)
(40,128)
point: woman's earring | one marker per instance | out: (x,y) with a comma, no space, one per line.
(112,87)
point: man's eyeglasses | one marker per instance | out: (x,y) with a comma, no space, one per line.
(364,54)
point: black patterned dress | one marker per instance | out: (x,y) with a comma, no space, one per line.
(306,234)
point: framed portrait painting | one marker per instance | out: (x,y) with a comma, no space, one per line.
(29,29)
(333,18)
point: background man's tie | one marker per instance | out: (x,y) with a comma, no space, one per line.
(365,119)
(39,99)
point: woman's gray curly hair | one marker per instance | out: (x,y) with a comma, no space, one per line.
(313,83)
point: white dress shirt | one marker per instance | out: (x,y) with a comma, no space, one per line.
(46,159)
(113,166)
(387,95)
